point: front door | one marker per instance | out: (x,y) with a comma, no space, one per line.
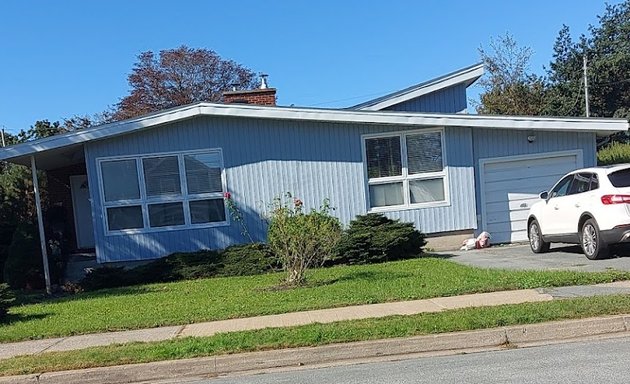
(82,208)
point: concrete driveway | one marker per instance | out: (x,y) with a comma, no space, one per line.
(519,256)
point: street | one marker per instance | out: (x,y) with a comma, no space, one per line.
(604,361)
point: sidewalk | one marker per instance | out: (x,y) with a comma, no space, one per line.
(8,350)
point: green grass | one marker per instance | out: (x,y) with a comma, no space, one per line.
(222,298)
(319,334)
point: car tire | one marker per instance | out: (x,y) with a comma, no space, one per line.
(536,242)
(593,246)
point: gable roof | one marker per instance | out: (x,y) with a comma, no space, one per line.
(467,76)
(19,153)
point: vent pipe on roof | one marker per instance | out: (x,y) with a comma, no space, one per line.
(263,81)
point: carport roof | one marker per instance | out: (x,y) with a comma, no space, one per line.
(20,153)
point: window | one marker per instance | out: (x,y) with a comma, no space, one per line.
(160,192)
(406,170)
(594,182)
(120,180)
(620,179)
(581,183)
(562,188)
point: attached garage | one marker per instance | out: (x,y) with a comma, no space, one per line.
(510,185)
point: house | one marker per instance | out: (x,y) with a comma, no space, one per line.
(149,186)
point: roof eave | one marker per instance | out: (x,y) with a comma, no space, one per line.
(602,127)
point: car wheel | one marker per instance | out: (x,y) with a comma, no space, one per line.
(536,242)
(592,245)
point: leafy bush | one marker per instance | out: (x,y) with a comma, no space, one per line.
(247,259)
(105,277)
(23,267)
(6,299)
(615,153)
(301,240)
(374,238)
(238,260)
(177,266)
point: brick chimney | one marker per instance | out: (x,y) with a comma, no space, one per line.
(260,96)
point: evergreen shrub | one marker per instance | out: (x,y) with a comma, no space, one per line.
(6,299)
(374,238)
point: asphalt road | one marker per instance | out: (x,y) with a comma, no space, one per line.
(560,256)
(598,361)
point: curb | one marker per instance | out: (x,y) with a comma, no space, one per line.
(457,342)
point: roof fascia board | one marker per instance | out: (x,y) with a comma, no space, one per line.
(600,126)
(466,75)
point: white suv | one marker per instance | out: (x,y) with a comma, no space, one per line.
(589,206)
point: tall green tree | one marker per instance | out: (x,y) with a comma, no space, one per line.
(509,88)
(607,49)
(17,203)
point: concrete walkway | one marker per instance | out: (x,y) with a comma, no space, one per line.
(8,350)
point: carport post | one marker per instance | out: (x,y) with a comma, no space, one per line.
(40,223)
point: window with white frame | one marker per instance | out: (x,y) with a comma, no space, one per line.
(166,191)
(406,169)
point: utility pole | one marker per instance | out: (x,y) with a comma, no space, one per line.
(2,134)
(586,87)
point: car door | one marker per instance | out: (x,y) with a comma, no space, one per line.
(570,207)
(549,217)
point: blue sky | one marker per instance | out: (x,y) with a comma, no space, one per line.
(64,58)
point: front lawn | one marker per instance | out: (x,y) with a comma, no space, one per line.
(222,298)
(319,334)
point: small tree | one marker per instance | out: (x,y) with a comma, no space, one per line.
(508,87)
(301,240)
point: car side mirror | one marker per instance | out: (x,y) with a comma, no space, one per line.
(544,195)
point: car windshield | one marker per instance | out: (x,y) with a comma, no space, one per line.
(620,178)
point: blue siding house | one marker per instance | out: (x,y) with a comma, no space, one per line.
(143,188)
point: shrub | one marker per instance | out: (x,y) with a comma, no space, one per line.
(6,299)
(177,266)
(237,260)
(615,153)
(23,267)
(247,259)
(374,238)
(105,277)
(301,240)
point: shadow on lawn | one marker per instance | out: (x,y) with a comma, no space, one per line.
(41,298)
(435,255)
(18,318)
(361,275)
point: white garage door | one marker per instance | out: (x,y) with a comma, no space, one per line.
(510,185)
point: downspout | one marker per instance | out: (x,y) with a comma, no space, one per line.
(40,223)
